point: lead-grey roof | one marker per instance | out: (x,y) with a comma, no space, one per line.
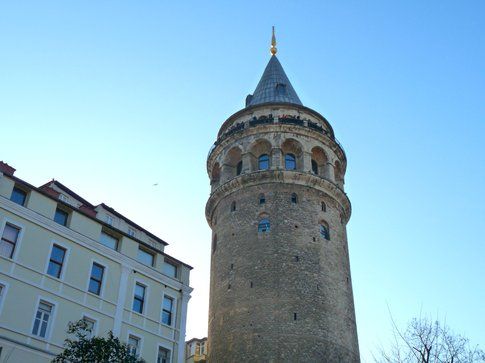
(274,86)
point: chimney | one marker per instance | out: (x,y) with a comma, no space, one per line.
(6,169)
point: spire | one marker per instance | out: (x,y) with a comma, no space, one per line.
(274,85)
(273,49)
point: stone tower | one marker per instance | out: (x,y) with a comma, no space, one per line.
(280,287)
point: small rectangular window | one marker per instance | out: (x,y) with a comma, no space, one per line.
(139,298)
(170,269)
(42,319)
(109,241)
(134,345)
(63,198)
(109,219)
(145,257)
(90,326)
(131,232)
(167,310)
(56,261)
(18,196)
(9,240)
(61,217)
(96,279)
(163,355)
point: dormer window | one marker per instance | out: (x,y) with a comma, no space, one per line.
(18,196)
(170,269)
(280,89)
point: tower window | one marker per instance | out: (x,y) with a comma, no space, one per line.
(324,207)
(239,168)
(264,225)
(263,162)
(324,232)
(233,206)
(294,198)
(290,162)
(262,199)
(214,243)
(314,167)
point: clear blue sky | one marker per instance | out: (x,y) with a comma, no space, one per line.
(110,97)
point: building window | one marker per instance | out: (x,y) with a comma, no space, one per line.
(63,198)
(324,207)
(131,232)
(170,269)
(314,167)
(290,162)
(263,162)
(163,355)
(18,196)
(262,199)
(145,257)
(109,220)
(324,232)
(263,225)
(109,241)
(239,168)
(90,326)
(233,206)
(9,240)
(42,317)
(214,243)
(96,279)
(167,310)
(56,261)
(294,198)
(61,217)
(139,298)
(134,345)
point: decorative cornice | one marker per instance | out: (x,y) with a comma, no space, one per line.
(278,176)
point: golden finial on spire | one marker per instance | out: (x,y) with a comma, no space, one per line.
(273,49)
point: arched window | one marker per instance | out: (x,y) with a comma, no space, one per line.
(294,198)
(262,199)
(263,162)
(239,168)
(324,207)
(324,231)
(290,162)
(314,167)
(233,206)
(263,225)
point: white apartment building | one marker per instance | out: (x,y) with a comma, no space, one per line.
(63,259)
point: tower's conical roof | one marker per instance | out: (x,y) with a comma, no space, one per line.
(274,86)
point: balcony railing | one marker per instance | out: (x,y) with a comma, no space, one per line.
(265,120)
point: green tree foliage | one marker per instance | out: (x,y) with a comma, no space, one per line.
(83,348)
(428,341)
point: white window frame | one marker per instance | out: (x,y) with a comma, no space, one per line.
(148,252)
(3,294)
(109,219)
(145,299)
(86,316)
(118,241)
(174,310)
(103,283)
(140,341)
(64,263)
(52,317)
(19,237)
(170,351)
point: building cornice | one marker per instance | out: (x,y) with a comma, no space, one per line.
(278,176)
